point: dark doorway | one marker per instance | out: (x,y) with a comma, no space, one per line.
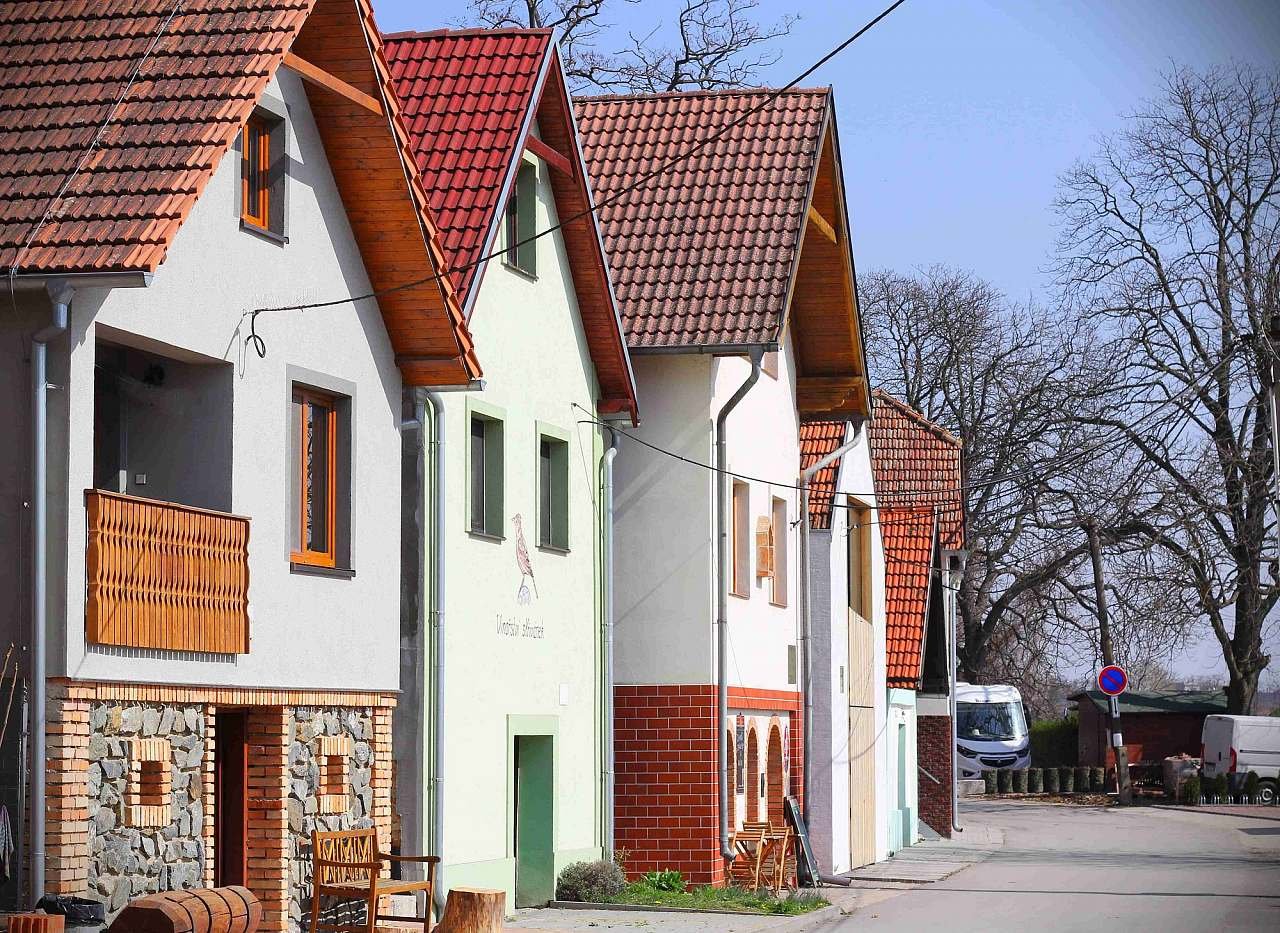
(231,816)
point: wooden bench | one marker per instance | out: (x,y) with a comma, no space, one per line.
(203,910)
(348,865)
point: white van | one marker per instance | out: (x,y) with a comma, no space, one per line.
(1240,745)
(991,730)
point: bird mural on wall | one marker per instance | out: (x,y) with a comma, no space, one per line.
(523,562)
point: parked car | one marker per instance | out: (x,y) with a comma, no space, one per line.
(1238,745)
(991,730)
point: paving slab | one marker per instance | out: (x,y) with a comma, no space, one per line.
(933,860)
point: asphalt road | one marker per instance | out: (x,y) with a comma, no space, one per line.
(1066,868)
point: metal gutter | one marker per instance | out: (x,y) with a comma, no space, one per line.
(437,466)
(51,280)
(722,601)
(719,349)
(806,609)
(607,661)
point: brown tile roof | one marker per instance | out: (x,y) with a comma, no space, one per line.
(703,254)
(907,533)
(198,76)
(817,440)
(915,462)
(470,99)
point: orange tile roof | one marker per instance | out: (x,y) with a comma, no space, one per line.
(916,462)
(817,440)
(184,86)
(704,253)
(907,533)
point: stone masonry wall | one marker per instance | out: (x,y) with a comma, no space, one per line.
(146,786)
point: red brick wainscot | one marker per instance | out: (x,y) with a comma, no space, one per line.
(933,750)
(665,771)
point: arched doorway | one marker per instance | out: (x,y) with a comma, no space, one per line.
(753,778)
(774,778)
(732,760)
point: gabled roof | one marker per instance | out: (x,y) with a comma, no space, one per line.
(742,241)
(915,462)
(817,440)
(908,534)
(471,99)
(199,74)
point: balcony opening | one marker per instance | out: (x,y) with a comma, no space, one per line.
(162,427)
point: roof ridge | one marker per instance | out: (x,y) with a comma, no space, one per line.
(468,31)
(918,417)
(701,92)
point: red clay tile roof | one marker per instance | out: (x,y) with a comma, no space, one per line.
(65,62)
(470,98)
(703,254)
(466,97)
(907,533)
(817,440)
(915,462)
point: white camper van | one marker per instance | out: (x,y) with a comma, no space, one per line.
(1240,745)
(991,730)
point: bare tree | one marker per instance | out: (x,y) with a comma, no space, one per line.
(715,44)
(1171,250)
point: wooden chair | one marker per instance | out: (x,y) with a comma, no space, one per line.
(348,865)
(749,843)
(777,862)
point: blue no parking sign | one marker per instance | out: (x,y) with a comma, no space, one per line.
(1112,680)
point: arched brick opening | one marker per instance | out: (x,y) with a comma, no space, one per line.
(753,777)
(774,779)
(732,759)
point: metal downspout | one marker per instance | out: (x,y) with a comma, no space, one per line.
(61,295)
(722,601)
(607,712)
(955,561)
(437,638)
(806,613)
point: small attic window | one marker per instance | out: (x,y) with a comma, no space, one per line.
(522,249)
(262,175)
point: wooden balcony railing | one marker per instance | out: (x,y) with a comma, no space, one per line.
(162,575)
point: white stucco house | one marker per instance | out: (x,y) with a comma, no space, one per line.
(200,504)
(735,279)
(504,755)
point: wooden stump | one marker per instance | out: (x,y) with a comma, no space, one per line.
(473,910)
(36,923)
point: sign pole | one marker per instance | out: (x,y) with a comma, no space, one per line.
(1112,680)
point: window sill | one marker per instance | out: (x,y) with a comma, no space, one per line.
(523,273)
(553,549)
(315,570)
(486,536)
(777,605)
(737,595)
(278,238)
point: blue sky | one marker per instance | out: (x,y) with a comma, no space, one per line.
(956,117)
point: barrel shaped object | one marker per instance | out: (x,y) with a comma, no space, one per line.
(203,910)
(36,923)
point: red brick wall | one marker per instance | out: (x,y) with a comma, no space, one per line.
(933,749)
(1147,736)
(665,773)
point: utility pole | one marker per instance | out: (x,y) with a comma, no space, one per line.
(1108,657)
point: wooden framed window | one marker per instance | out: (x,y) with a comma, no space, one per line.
(780,528)
(316,466)
(486,474)
(553,491)
(255,173)
(520,221)
(741,540)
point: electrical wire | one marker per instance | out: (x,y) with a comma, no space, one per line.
(642,179)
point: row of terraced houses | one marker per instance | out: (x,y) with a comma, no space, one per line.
(397,441)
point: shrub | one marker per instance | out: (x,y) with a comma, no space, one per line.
(669,880)
(1083,778)
(590,881)
(1098,780)
(989,779)
(1190,791)
(1004,780)
(1067,780)
(1218,787)
(1035,780)
(1054,741)
(1020,781)
(1050,780)
(1251,786)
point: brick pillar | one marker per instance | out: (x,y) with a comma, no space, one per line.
(209,796)
(933,750)
(67,790)
(381,776)
(795,779)
(268,792)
